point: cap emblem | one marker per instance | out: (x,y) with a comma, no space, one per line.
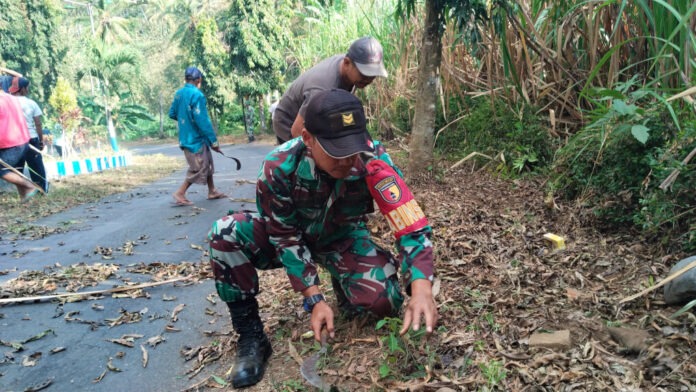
(347,119)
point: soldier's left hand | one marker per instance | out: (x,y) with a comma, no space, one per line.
(420,306)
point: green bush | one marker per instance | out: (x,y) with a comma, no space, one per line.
(232,120)
(494,128)
(618,161)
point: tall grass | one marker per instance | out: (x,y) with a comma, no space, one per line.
(325,30)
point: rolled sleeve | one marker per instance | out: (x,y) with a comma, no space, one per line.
(416,254)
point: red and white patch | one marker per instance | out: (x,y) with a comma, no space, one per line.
(389,189)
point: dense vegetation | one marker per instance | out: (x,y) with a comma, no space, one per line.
(582,92)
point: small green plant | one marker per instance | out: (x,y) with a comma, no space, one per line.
(494,372)
(684,309)
(651,281)
(613,323)
(290,386)
(526,159)
(490,319)
(401,350)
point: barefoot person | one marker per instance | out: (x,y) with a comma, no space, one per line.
(196,136)
(313,195)
(14,143)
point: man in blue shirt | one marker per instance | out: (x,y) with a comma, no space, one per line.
(196,136)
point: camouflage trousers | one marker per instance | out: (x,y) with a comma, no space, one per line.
(366,273)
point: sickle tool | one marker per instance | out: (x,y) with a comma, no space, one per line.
(308,369)
(239,164)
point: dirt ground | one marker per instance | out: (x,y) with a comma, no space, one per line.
(500,282)
(500,287)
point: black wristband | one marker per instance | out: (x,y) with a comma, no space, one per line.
(309,302)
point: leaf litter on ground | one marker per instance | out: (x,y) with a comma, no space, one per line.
(500,283)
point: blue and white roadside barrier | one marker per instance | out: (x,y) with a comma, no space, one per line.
(74,167)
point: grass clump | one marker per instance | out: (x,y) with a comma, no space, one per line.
(495,128)
(616,164)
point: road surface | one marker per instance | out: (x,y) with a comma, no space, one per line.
(145,217)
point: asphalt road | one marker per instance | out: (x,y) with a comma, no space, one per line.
(162,233)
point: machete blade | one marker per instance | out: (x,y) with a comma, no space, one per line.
(308,369)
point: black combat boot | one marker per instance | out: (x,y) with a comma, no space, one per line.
(253,346)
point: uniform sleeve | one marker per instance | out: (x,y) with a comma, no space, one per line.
(274,202)
(199,110)
(415,249)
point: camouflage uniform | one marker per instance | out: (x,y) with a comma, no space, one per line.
(308,218)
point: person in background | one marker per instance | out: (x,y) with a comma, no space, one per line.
(249,120)
(5,82)
(355,69)
(32,115)
(273,107)
(14,142)
(196,136)
(313,195)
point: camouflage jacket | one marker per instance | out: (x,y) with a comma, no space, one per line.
(307,211)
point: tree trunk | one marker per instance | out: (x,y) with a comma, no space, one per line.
(422,134)
(161,117)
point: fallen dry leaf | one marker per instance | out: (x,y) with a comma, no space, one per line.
(30,360)
(145,356)
(40,386)
(110,366)
(175,312)
(155,340)
(100,377)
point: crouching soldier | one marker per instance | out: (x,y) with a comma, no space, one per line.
(313,196)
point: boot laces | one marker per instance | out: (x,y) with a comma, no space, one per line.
(249,342)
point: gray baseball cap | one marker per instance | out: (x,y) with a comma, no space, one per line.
(366,53)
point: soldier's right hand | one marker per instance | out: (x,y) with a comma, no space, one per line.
(322,315)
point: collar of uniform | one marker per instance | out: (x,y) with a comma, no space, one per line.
(307,167)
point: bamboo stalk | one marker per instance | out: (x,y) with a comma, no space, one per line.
(661,283)
(87,293)
(667,183)
(466,158)
(684,93)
